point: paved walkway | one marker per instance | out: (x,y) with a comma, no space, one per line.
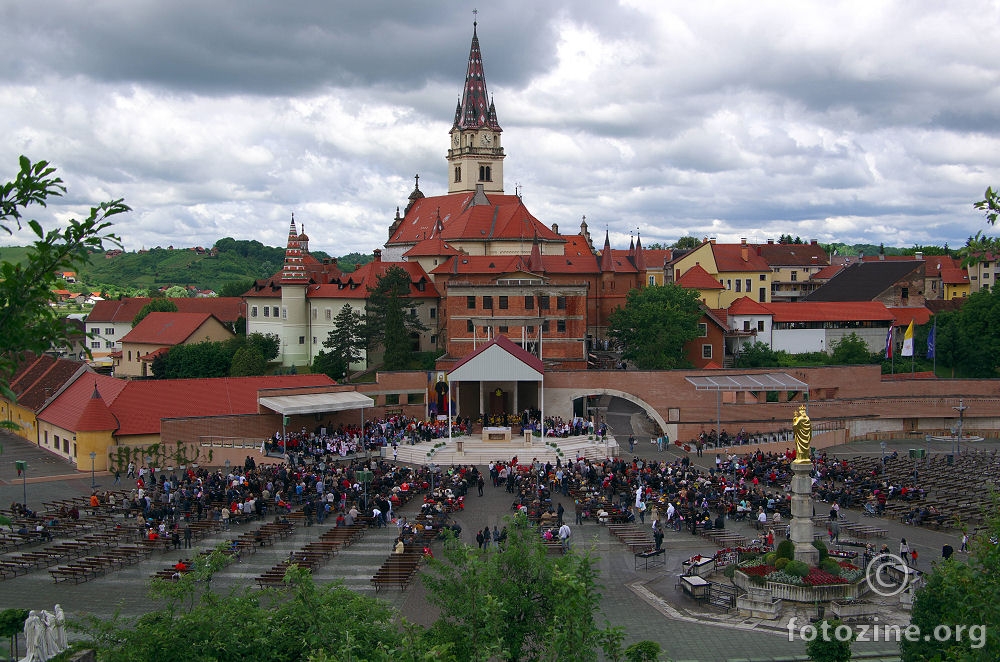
(643,602)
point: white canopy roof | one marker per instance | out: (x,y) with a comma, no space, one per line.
(316,403)
(771,381)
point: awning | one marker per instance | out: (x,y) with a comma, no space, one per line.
(316,403)
(771,381)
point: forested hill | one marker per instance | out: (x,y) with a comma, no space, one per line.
(232,261)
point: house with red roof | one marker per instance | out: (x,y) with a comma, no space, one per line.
(792,268)
(806,326)
(158,332)
(97,413)
(36,380)
(738,268)
(109,320)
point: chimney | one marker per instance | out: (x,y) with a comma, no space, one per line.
(378,255)
(919,255)
(555,228)
(744,249)
(770,241)
(813,242)
(711,240)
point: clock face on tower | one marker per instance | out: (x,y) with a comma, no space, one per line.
(486,139)
(455,139)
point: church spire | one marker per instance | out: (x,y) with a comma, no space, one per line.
(475,110)
(607,261)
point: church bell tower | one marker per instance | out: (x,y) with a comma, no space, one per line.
(476,155)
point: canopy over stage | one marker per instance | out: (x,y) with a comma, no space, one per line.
(766,381)
(494,374)
(314,403)
(770,381)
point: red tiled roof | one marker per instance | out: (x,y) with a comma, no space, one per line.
(504,343)
(793,255)
(498,265)
(167,329)
(622,260)
(729,257)
(96,416)
(226,309)
(658,256)
(747,306)
(696,278)
(505,217)
(919,316)
(432,246)
(355,285)
(826,273)
(830,311)
(37,378)
(953,276)
(140,405)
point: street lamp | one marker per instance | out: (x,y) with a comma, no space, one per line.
(22,468)
(93,479)
(961,411)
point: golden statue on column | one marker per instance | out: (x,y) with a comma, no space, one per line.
(802,428)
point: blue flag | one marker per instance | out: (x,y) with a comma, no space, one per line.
(931,341)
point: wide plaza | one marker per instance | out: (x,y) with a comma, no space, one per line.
(644,602)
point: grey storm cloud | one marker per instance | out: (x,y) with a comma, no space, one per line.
(851,121)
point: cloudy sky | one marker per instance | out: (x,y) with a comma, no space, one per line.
(840,121)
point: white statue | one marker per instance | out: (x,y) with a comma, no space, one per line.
(34,637)
(51,648)
(60,628)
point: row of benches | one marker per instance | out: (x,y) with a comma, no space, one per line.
(313,554)
(90,567)
(398,569)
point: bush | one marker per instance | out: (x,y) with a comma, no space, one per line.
(643,651)
(797,568)
(770,558)
(823,551)
(730,571)
(786,549)
(831,566)
(781,563)
(832,649)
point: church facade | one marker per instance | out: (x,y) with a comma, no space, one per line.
(481,264)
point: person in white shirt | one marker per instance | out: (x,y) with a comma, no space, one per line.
(564,535)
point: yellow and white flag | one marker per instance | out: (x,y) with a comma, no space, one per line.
(908,341)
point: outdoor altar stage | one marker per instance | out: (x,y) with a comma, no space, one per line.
(472,449)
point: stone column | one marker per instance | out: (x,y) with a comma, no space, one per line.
(802,511)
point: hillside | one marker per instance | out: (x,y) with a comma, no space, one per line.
(234,261)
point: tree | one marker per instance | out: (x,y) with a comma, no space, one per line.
(248,361)
(388,324)
(516,603)
(654,326)
(961,593)
(196,624)
(826,646)
(268,344)
(347,338)
(757,355)
(851,350)
(176,292)
(235,288)
(982,244)
(160,305)
(29,322)
(687,242)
